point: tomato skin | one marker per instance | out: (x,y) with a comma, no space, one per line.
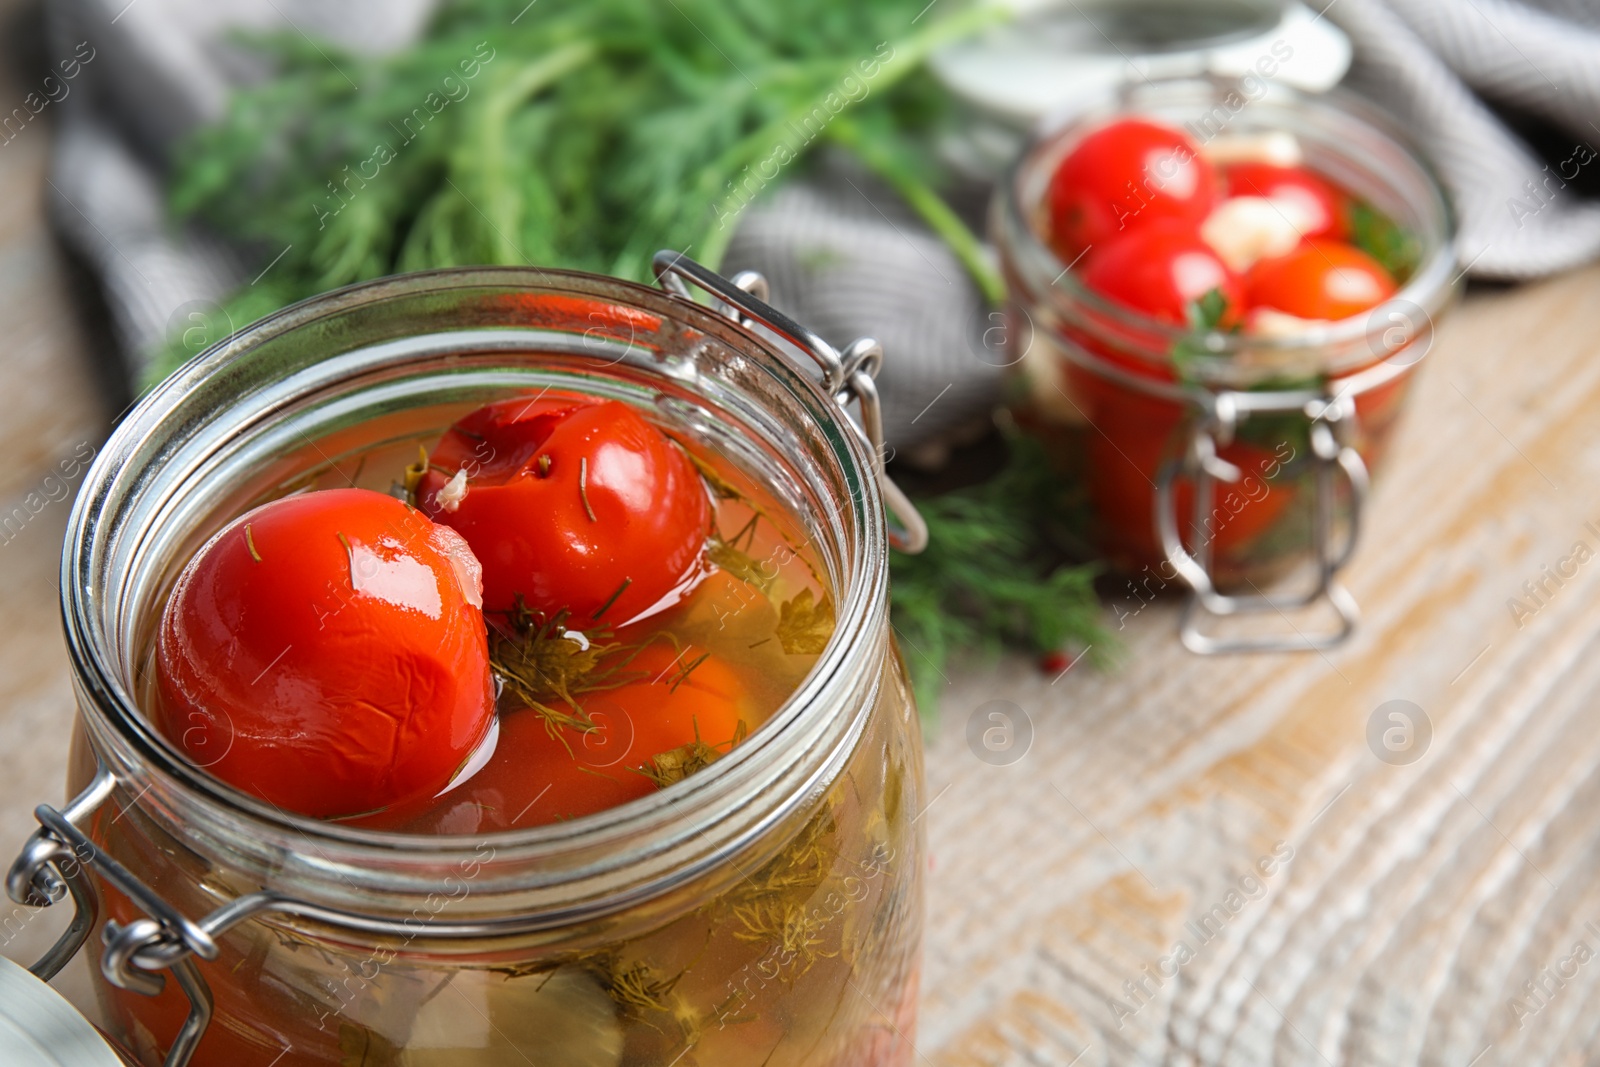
(1323,279)
(1123,177)
(1118,450)
(1317,207)
(599,318)
(1162,269)
(537,777)
(345,669)
(667,713)
(617,502)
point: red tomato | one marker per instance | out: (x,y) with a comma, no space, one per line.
(1054,662)
(1124,176)
(1314,205)
(1320,280)
(576,504)
(1127,436)
(683,694)
(537,777)
(597,318)
(1163,270)
(327,653)
(885,1039)
(1120,477)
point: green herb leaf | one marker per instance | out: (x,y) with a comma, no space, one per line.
(583,134)
(805,623)
(1206,313)
(676,764)
(738,562)
(1396,249)
(995,574)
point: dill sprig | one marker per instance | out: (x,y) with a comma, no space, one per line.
(546,668)
(676,764)
(800,868)
(994,576)
(794,926)
(638,988)
(587,135)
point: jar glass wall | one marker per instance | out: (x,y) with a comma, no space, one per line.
(766,909)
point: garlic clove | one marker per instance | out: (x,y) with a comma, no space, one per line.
(1272,323)
(1278,147)
(1245,229)
(454,491)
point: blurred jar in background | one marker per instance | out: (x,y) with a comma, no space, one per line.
(1250,463)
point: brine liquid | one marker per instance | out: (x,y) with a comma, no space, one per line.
(731,609)
(801,951)
(802,956)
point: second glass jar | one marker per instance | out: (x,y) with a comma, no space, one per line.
(1254,462)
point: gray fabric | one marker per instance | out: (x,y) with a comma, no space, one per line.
(1424,58)
(158,280)
(159,68)
(842,254)
(845,256)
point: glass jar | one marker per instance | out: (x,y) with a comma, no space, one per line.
(764,910)
(1248,472)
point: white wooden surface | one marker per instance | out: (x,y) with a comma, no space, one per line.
(1418,899)
(51,409)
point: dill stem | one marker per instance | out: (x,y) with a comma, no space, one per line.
(583,487)
(613,599)
(925,202)
(496,112)
(907,57)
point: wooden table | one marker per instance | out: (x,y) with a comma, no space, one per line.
(52,409)
(1334,908)
(1407,903)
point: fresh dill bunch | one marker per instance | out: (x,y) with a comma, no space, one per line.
(581,134)
(993,575)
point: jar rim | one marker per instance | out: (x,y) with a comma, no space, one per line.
(861,595)
(1429,287)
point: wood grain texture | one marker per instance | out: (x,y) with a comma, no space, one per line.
(51,409)
(1417,899)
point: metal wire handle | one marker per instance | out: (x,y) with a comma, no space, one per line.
(1332,423)
(847,376)
(56,861)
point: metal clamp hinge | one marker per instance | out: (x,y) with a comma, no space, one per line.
(1332,428)
(56,861)
(846,377)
